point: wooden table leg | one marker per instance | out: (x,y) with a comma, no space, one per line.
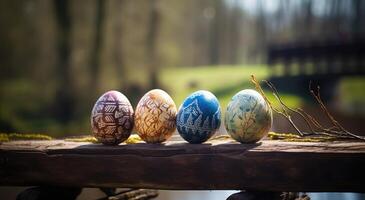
(49,192)
(259,195)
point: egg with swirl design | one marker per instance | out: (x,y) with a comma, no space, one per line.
(199,117)
(155,116)
(112,118)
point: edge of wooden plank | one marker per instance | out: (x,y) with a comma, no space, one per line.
(269,165)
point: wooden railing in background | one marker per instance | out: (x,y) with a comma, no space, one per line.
(294,65)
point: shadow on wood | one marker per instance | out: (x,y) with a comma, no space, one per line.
(48,192)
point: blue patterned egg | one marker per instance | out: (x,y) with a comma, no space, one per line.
(199,117)
(248,117)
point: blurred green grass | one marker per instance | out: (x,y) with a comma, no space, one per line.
(223,81)
(22,106)
(352,95)
(353,89)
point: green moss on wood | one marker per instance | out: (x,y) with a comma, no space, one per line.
(82,139)
(220,137)
(134,138)
(290,137)
(6,137)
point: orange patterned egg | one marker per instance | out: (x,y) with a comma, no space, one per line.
(112,118)
(155,116)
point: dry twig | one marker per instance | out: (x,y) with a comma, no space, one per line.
(337,131)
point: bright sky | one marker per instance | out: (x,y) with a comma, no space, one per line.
(270,6)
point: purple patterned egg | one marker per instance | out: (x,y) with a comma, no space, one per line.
(112,118)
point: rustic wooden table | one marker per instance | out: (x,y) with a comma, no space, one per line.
(215,165)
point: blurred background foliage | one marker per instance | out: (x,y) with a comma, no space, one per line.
(58,56)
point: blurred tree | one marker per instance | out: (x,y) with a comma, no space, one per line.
(234,33)
(118,54)
(358,22)
(64,106)
(261,29)
(152,42)
(96,51)
(215,32)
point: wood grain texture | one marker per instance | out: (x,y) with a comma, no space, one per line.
(217,164)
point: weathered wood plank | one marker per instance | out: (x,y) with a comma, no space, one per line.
(219,164)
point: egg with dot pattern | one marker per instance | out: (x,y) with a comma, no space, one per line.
(248,117)
(112,118)
(199,117)
(155,116)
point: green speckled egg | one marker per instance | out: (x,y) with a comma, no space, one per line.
(248,117)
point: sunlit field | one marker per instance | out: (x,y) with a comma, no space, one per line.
(223,81)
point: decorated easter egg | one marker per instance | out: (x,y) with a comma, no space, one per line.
(248,117)
(112,118)
(155,116)
(199,117)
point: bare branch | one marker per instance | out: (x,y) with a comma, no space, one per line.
(337,131)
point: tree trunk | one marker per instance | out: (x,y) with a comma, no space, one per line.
(152,47)
(96,51)
(215,34)
(234,33)
(64,104)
